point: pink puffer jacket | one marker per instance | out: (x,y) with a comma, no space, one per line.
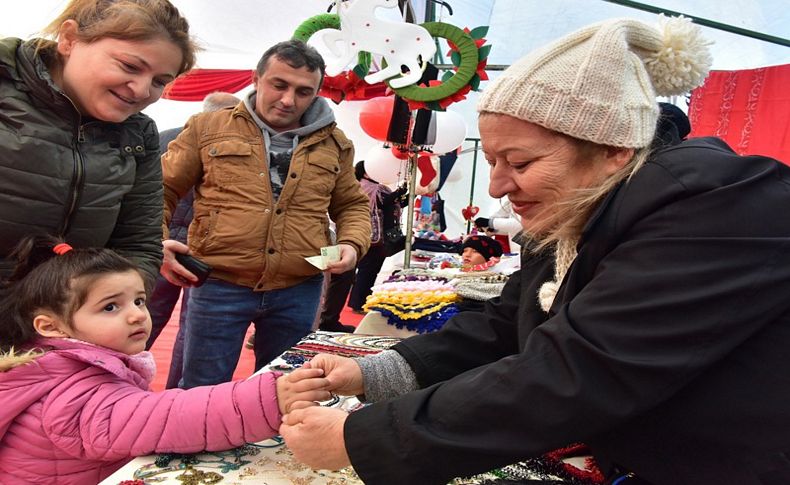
(79,412)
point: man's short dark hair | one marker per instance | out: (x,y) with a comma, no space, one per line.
(296,54)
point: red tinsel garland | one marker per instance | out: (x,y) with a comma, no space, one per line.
(197,83)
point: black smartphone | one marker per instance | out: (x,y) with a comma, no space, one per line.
(195,266)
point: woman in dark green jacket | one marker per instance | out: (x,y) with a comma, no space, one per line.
(77,159)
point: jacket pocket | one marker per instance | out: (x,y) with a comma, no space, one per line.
(231,162)
(323,168)
(201,229)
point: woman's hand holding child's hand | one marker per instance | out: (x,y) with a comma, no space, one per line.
(315,437)
(315,434)
(302,387)
(343,374)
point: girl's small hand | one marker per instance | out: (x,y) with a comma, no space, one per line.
(301,385)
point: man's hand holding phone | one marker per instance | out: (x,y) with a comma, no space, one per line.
(180,268)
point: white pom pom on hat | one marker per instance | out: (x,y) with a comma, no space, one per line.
(600,82)
(683,61)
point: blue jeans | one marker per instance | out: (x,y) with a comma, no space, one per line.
(161,304)
(177,356)
(219,315)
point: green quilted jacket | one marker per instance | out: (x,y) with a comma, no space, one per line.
(92,182)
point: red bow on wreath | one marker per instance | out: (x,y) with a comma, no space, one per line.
(348,86)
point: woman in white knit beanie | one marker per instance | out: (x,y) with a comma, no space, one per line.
(585,108)
(651,320)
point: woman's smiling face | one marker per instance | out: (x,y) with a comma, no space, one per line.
(112,79)
(535,168)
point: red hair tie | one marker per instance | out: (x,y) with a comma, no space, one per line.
(61,249)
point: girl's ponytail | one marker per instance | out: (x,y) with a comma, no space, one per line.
(30,253)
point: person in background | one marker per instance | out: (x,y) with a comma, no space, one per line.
(503,221)
(77,156)
(385,213)
(74,379)
(265,174)
(480,252)
(333,301)
(650,319)
(385,205)
(165,294)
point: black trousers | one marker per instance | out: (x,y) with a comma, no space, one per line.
(335,298)
(367,271)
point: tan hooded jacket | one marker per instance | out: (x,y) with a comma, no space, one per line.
(238,228)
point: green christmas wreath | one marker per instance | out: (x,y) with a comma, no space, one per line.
(467,67)
(467,53)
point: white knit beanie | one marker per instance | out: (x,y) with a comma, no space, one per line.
(600,82)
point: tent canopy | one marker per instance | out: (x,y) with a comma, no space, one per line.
(235,33)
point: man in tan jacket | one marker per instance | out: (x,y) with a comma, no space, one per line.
(266,173)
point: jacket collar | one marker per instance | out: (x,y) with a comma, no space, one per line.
(140,368)
(241,110)
(598,213)
(29,69)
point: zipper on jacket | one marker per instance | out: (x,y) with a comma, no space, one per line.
(81,134)
(75,190)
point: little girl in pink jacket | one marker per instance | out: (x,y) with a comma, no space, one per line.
(74,399)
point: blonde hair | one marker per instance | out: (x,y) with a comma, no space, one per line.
(568,217)
(125,20)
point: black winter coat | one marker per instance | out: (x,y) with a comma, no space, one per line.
(94,183)
(665,349)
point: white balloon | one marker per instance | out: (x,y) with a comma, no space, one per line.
(450,132)
(455,174)
(347,118)
(382,166)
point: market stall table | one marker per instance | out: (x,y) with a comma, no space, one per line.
(270,462)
